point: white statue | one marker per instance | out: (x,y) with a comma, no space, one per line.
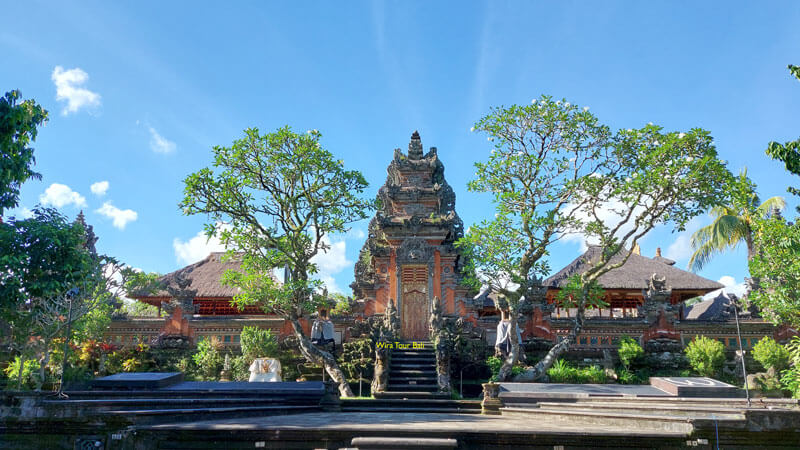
(265,369)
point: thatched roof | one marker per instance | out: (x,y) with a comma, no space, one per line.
(717,308)
(634,274)
(203,276)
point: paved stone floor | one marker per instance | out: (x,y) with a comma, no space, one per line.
(403,423)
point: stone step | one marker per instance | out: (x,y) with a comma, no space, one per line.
(415,352)
(386,443)
(413,361)
(413,372)
(411,402)
(411,395)
(417,366)
(704,411)
(184,411)
(173,402)
(412,387)
(643,422)
(402,379)
(421,409)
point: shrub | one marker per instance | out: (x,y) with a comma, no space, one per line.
(357,359)
(258,343)
(208,359)
(591,374)
(771,354)
(705,355)
(562,372)
(625,376)
(629,351)
(29,370)
(790,378)
(494,363)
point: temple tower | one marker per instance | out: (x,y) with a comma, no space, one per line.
(409,256)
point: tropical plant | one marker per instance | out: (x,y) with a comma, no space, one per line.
(629,351)
(274,202)
(23,377)
(776,266)
(562,372)
(555,171)
(208,359)
(705,355)
(771,354)
(733,222)
(19,121)
(790,378)
(592,374)
(258,343)
(789,152)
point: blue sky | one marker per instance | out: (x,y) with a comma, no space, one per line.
(139,93)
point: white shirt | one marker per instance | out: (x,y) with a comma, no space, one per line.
(503,331)
(322,329)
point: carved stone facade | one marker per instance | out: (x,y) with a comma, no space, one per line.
(409,256)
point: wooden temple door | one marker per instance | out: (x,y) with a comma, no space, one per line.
(414,306)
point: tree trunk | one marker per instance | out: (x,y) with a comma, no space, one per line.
(561,347)
(317,356)
(43,363)
(19,373)
(508,364)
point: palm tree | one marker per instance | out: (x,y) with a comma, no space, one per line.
(732,223)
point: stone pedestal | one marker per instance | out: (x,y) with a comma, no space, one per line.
(491,399)
(331,401)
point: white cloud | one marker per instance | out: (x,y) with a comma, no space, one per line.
(611,213)
(160,144)
(196,248)
(99,188)
(25,213)
(731,287)
(355,233)
(681,249)
(119,217)
(60,195)
(331,262)
(68,88)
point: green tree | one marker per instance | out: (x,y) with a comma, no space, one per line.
(542,155)
(789,152)
(733,222)
(771,354)
(258,343)
(629,351)
(278,195)
(556,170)
(41,259)
(776,266)
(705,355)
(19,121)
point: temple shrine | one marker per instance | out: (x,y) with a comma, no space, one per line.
(409,258)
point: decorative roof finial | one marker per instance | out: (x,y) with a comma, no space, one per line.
(415,146)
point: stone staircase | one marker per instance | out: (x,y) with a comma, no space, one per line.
(412,387)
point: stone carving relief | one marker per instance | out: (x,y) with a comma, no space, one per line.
(414,250)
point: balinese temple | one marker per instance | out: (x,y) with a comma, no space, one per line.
(409,258)
(197,305)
